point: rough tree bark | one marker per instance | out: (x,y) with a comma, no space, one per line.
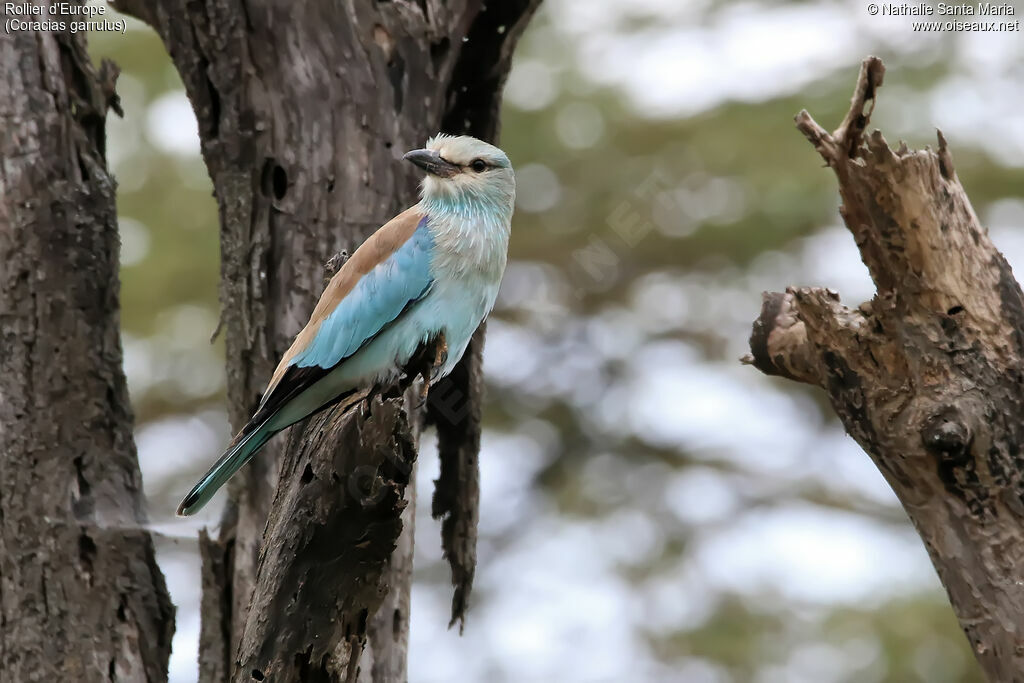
(81,597)
(304,109)
(928,376)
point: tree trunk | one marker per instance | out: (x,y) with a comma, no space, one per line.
(928,376)
(304,110)
(81,597)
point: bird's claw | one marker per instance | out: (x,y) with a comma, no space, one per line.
(440,352)
(429,370)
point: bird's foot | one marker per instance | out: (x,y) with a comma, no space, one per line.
(440,352)
(429,370)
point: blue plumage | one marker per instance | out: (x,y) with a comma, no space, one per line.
(432,270)
(377,300)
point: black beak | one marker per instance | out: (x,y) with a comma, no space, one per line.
(431,162)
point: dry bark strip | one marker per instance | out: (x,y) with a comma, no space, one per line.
(81,596)
(304,109)
(928,376)
(454,408)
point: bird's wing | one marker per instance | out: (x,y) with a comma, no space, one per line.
(387,274)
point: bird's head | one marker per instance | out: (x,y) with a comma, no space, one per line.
(465,172)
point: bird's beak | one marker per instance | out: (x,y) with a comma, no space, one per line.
(431,162)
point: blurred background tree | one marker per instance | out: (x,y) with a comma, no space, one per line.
(651,510)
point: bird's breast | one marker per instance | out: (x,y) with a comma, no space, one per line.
(470,248)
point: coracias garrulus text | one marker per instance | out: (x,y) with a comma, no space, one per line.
(431,272)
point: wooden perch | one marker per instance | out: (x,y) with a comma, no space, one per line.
(928,376)
(338,515)
(336,518)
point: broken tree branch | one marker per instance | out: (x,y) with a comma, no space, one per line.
(928,376)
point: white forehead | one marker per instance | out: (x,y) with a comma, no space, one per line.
(462,149)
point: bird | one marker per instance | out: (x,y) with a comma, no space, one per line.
(433,271)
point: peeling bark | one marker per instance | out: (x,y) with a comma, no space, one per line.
(928,376)
(454,408)
(304,110)
(81,596)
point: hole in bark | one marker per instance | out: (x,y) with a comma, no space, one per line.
(214,95)
(86,547)
(87,553)
(274,179)
(364,614)
(955,310)
(280,182)
(307,474)
(81,505)
(257,675)
(946,435)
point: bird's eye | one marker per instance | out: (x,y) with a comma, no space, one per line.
(478,165)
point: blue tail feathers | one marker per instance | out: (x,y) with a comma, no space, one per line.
(233,460)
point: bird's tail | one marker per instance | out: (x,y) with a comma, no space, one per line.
(234,458)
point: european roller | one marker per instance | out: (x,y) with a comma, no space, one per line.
(432,270)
